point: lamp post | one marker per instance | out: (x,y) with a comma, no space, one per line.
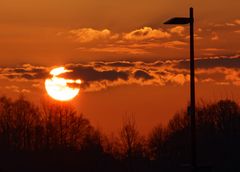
(190,20)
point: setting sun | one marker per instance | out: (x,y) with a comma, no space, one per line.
(58,87)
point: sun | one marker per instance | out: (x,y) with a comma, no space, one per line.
(58,88)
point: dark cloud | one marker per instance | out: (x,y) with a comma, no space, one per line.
(140,74)
(27,72)
(158,63)
(162,73)
(101,75)
(121,64)
(10,76)
(141,33)
(40,75)
(115,64)
(226,62)
(19,70)
(89,74)
(218,76)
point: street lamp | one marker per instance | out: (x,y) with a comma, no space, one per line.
(190,20)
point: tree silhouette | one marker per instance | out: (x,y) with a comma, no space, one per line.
(64,127)
(156,142)
(132,144)
(55,137)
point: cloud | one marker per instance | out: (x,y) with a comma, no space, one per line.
(233,76)
(213,49)
(85,35)
(137,42)
(141,74)
(101,75)
(89,75)
(178,30)
(119,50)
(226,62)
(174,44)
(180,79)
(25,72)
(147,41)
(13,88)
(25,91)
(114,64)
(16,89)
(146,33)
(215,36)
(230,24)
(237,31)
(237,21)
(207,80)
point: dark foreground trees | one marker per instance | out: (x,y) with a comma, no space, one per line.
(55,137)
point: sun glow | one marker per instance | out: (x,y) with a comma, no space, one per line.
(58,88)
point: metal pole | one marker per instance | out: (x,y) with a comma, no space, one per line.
(192,93)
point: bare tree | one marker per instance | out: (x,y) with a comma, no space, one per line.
(132,144)
(156,142)
(5,121)
(64,127)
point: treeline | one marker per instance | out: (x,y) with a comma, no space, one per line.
(55,137)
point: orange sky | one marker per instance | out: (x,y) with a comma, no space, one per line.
(129,61)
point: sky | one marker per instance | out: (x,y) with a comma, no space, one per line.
(128,61)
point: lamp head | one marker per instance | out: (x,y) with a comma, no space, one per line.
(178,20)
